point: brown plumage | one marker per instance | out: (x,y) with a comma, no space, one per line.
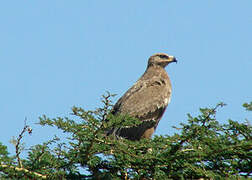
(146,100)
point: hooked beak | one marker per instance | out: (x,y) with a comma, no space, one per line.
(175,60)
(172,59)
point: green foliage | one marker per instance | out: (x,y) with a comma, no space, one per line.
(4,155)
(248,106)
(202,148)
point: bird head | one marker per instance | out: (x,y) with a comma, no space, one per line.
(161,59)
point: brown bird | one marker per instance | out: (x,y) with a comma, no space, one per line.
(146,100)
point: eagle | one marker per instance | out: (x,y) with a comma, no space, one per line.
(146,100)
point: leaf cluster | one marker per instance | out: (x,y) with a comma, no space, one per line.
(202,148)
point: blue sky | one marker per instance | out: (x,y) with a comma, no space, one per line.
(57,54)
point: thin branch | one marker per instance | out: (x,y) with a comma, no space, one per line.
(17,146)
(24,170)
(18,151)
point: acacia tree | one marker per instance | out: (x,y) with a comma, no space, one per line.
(202,148)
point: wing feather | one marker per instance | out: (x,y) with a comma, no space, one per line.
(144,98)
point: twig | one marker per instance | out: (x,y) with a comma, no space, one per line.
(185,150)
(212,111)
(21,135)
(18,151)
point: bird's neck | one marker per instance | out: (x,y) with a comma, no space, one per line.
(155,71)
(155,68)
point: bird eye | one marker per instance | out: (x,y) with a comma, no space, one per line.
(163,56)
